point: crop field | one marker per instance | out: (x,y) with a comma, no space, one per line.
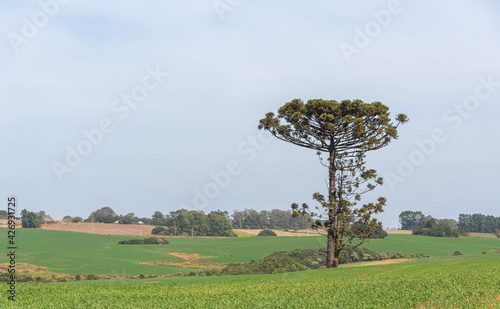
(70,252)
(471,280)
(462,284)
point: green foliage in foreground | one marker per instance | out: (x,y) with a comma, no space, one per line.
(297,260)
(464,284)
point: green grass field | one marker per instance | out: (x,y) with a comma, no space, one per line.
(70,252)
(463,284)
(468,281)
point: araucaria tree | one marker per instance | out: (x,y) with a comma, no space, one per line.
(345,131)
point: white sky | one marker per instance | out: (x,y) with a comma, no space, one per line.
(63,76)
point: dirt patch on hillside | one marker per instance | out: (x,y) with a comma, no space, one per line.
(5,223)
(102,228)
(191,261)
(383,262)
(303,232)
(310,232)
(27,269)
(406,232)
(497,251)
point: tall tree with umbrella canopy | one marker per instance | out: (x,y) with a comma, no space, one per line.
(345,131)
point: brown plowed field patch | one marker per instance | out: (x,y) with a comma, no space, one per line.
(102,228)
(305,232)
(406,232)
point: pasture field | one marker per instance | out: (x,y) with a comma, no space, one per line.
(462,284)
(72,252)
(471,280)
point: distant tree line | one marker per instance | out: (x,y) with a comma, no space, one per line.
(33,220)
(185,222)
(421,224)
(181,222)
(273,219)
(3,214)
(479,223)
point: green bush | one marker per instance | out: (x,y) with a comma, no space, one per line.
(91,277)
(297,260)
(267,232)
(159,230)
(78,277)
(457,253)
(436,231)
(145,241)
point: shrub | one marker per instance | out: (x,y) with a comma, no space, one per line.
(145,241)
(484,252)
(464,233)
(91,277)
(78,277)
(296,260)
(267,232)
(436,231)
(497,233)
(457,253)
(159,230)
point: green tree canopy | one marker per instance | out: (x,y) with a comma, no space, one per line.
(30,219)
(410,220)
(103,215)
(345,131)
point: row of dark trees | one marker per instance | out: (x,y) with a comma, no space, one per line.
(181,222)
(479,223)
(185,222)
(411,220)
(34,220)
(274,219)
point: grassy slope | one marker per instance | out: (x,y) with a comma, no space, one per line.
(433,246)
(71,252)
(470,284)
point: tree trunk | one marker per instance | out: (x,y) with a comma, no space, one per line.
(332,260)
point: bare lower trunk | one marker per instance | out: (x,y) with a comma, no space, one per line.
(332,261)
